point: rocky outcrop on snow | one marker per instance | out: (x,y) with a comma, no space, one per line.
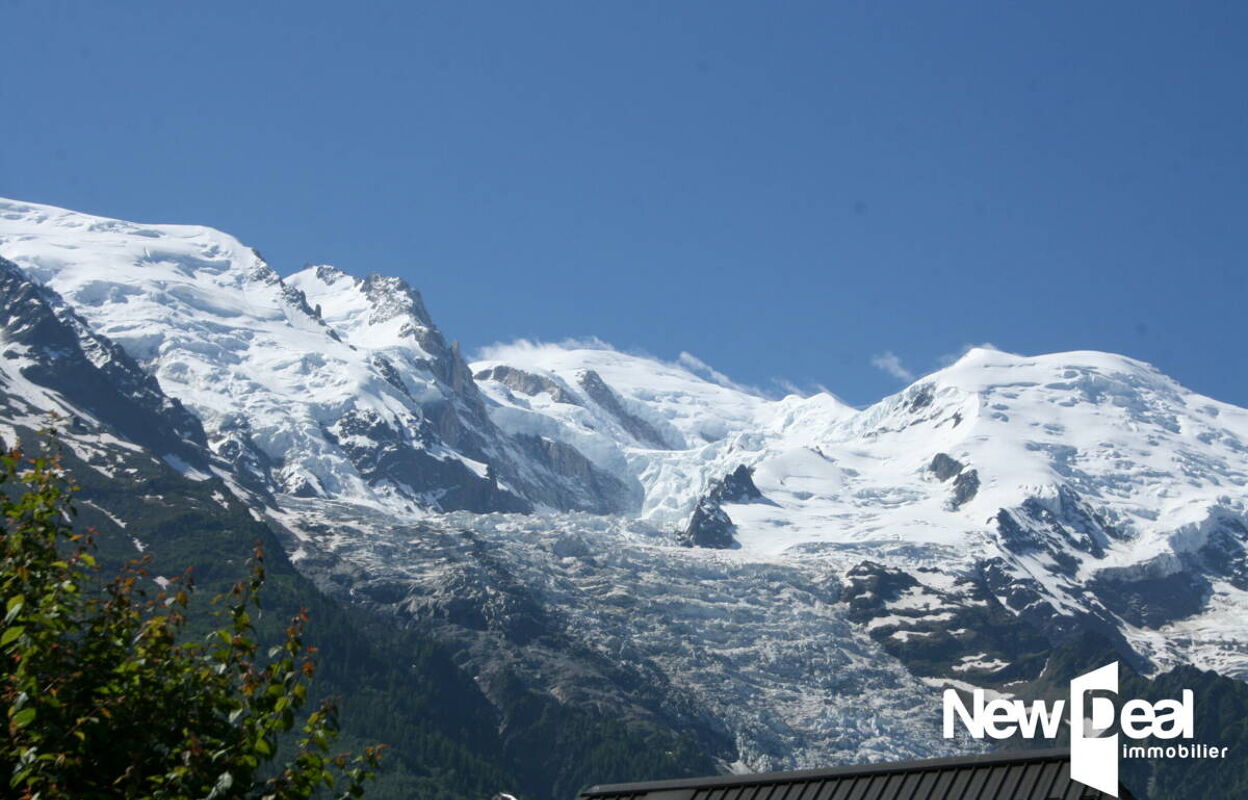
(710,526)
(944,467)
(527,383)
(738,487)
(965,481)
(599,392)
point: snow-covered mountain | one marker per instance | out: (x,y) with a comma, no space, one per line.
(650,539)
(355,395)
(1075,484)
(1114,429)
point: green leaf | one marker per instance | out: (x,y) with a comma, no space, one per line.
(10,634)
(24,717)
(13,606)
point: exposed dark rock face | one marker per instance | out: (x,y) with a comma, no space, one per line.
(383,454)
(1225,551)
(951,628)
(60,353)
(710,526)
(1058,525)
(394,297)
(390,373)
(602,394)
(738,487)
(871,586)
(1029,599)
(1015,537)
(965,486)
(944,466)
(921,398)
(1170,587)
(965,481)
(1152,599)
(527,383)
(587,488)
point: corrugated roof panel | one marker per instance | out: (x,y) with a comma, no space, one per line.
(796,790)
(1027,775)
(1064,788)
(769,791)
(996,776)
(754,793)
(812,790)
(888,786)
(1045,781)
(911,785)
(775,791)
(875,789)
(923,789)
(1013,781)
(975,786)
(828,790)
(940,789)
(842,787)
(858,789)
(780,791)
(1005,776)
(961,779)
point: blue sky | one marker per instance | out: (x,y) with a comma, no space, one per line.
(793,190)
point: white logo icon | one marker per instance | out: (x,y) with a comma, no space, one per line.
(1093,754)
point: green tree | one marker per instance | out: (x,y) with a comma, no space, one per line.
(108,694)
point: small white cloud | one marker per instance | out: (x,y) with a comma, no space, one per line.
(504,351)
(890,363)
(789,387)
(529,351)
(705,371)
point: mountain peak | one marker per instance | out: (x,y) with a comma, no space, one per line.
(982,368)
(376,311)
(42,239)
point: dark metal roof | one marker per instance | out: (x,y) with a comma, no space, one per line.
(1034,775)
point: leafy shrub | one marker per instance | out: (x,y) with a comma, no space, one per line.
(107,694)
